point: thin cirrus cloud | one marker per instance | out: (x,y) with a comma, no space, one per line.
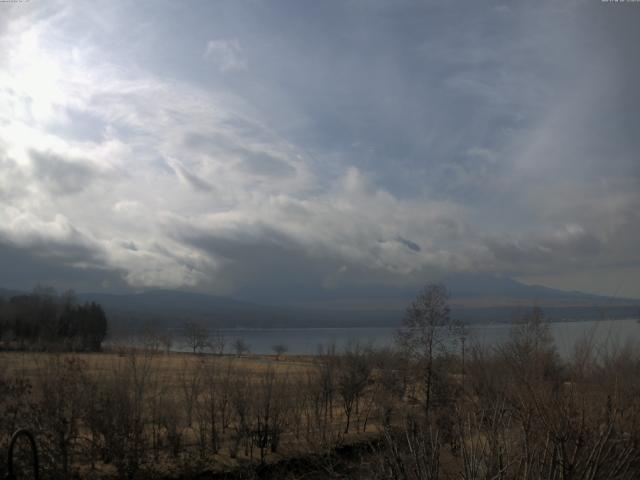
(225,54)
(264,151)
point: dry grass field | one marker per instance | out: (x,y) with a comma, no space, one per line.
(135,414)
(29,364)
(514,412)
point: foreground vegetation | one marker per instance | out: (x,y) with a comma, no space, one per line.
(430,409)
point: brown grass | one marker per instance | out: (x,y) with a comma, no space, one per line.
(167,377)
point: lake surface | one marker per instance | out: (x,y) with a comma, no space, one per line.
(605,333)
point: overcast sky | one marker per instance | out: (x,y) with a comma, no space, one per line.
(269,149)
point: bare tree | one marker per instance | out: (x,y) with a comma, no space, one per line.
(190,376)
(390,382)
(120,414)
(58,411)
(267,412)
(353,375)
(195,335)
(240,346)
(530,351)
(166,340)
(280,349)
(321,383)
(149,338)
(210,415)
(218,341)
(427,329)
(241,403)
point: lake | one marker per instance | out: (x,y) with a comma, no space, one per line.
(606,333)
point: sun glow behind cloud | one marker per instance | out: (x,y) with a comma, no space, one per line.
(151,130)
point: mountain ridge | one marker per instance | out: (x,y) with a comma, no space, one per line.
(474,299)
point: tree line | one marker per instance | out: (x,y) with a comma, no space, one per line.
(43,320)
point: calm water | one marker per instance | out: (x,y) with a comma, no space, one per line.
(606,333)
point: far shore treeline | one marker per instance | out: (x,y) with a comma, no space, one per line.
(44,320)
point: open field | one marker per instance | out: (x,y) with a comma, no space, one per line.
(137,414)
(516,412)
(30,364)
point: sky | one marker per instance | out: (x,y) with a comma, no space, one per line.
(300,150)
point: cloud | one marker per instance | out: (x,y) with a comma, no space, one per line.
(189,178)
(59,175)
(372,145)
(554,251)
(23,268)
(266,165)
(56,239)
(227,55)
(409,244)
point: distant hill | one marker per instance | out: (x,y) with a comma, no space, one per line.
(474,299)
(167,302)
(483,291)
(8,293)
(171,308)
